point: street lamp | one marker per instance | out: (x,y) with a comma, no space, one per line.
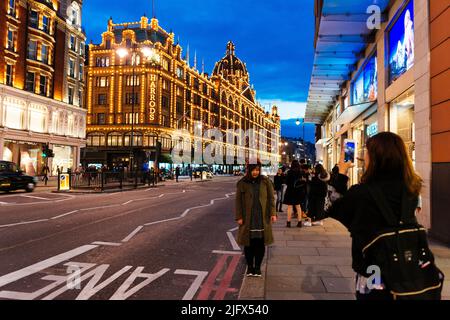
(149,54)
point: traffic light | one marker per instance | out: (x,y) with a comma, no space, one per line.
(47,152)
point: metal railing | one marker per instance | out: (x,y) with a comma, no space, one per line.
(102,181)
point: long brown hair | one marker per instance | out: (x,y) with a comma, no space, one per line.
(389,158)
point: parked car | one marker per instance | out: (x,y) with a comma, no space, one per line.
(198,172)
(12,178)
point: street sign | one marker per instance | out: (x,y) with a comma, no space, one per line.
(64,182)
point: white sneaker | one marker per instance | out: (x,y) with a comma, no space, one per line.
(317,223)
(307,223)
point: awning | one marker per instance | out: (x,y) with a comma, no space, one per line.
(323,141)
(342,37)
(352,112)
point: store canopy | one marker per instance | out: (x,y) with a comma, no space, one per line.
(351,112)
(323,142)
(342,37)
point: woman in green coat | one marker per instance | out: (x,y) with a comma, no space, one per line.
(255,212)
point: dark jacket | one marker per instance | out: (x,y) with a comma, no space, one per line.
(358,211)
(318,189)
(278,182)
(244,209)
(296,182)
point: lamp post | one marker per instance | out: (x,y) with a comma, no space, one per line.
(148,54)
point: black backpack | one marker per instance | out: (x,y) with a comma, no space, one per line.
(402,253)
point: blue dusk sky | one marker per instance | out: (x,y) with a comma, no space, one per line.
(274,38)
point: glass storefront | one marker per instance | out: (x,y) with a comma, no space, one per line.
(63,158)
(402,120)
(27,155)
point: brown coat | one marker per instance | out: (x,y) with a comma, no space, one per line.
(244,203)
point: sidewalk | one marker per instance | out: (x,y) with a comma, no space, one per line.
(314,263)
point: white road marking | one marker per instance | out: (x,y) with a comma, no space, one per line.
(157,222)
(201,275)
(131,235)
(22,223)
(227,252)
(33,197)
(65,214)
(234,229)
(111,244)
(92,288)
(27,271)
(233,241)
(124,292)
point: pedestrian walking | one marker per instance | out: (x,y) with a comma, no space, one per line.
(45,172)
(279,181)
(189,169)
(380,215)
(318,190)
(295,193)
(255,212)
(177,173)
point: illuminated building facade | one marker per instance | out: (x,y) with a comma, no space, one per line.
(42,49)
(138,99)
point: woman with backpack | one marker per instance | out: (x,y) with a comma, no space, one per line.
(380,215)
(318,189)
(295,193)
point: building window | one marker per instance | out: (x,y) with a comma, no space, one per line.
(82,48)
(129,118)
(179,107)
(72,42)
(72,68)
(165,102)
(45,24)
(180,73)
(132,98)
(34,18)
(80,98)
(101,118)
(12,8)
(32,50)
(102,99)
(102,62)
(43,85)
(115,140)
(108,44)
(11,40)
(165,85)
(96,140)
(132,81)
(44,54)
(102,82)
(9,74)
(128,43)
(29,83)
(70,95)
(166,64)
(165,123)
(80,72)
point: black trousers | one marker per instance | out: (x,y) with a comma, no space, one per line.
(254,254)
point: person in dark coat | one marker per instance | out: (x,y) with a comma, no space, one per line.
(177,173)
(279,181)
(296,182)
(318,189)
(389,169)
(255,212)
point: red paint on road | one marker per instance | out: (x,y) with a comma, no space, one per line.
(224,287)
(226,281)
